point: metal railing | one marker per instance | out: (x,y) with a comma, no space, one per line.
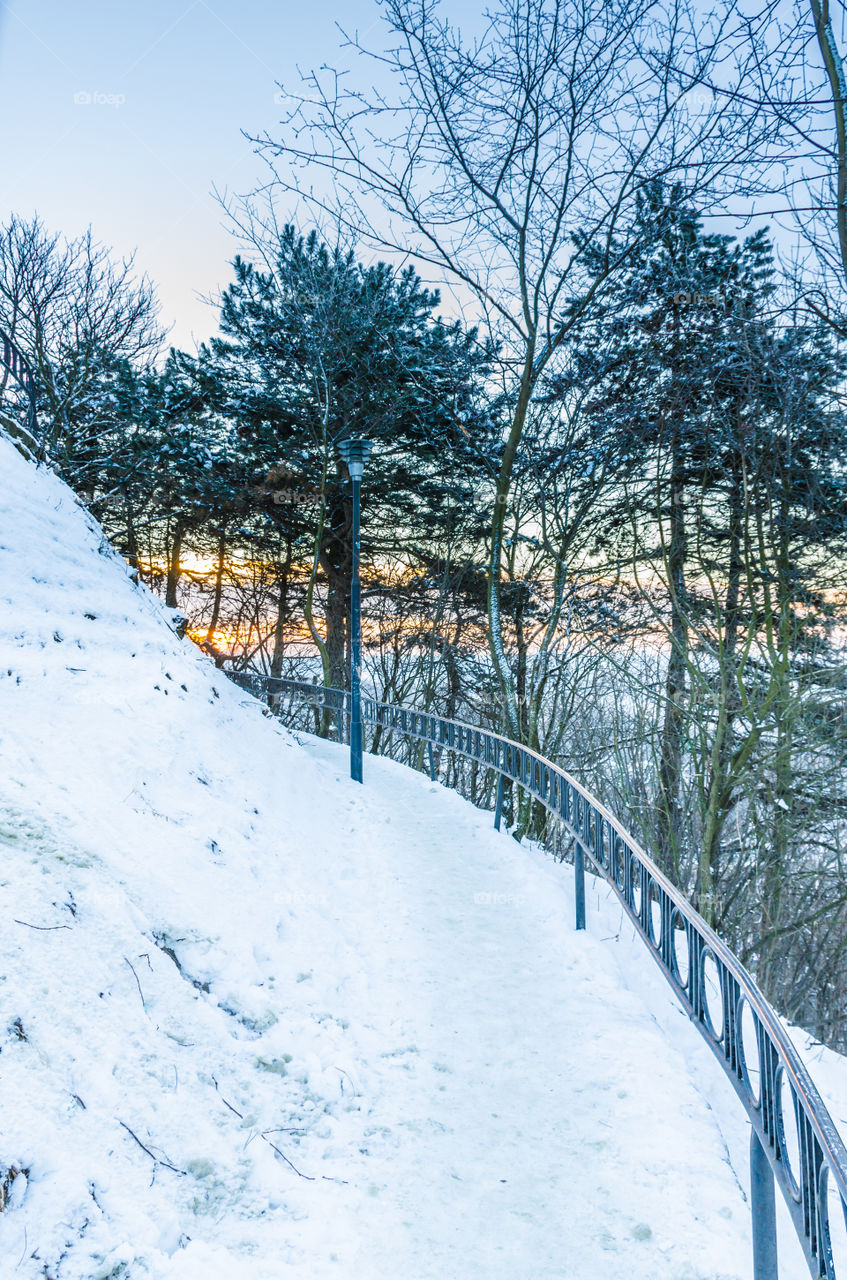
(793,1142)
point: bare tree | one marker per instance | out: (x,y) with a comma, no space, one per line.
(75,312)
(800,84)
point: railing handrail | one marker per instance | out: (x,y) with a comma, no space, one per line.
(751,989)
(597,833)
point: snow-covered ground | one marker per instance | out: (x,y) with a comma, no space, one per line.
(256,1020)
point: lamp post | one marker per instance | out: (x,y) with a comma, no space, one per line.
(356,453)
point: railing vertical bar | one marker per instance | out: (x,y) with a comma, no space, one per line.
(579,884)
(498,805)
(763,1210)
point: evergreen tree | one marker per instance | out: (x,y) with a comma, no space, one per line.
(730,512)
(318,347)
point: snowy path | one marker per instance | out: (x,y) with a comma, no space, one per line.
(526,1118)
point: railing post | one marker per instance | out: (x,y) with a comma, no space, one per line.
(579,884)
(498,806)
(763,1209)
(431,755)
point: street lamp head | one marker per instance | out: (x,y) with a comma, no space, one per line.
(355,453)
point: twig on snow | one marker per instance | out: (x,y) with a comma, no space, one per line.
(347,1074)
(156,1160)
(264,1136)
(26,1246)
(138,984)
(275,1148)
(43,928)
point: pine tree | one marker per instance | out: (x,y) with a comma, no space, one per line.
(318,347)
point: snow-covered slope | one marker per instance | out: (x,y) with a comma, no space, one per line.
(256,1020)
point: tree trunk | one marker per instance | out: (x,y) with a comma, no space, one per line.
(524,799)
(131,536)
(721,786)
(835,74)
(308,604)
(495,562)
(337,563)
(454,681)
(776,862)
(174,569)
(670,763)
(218,593)
(279,627)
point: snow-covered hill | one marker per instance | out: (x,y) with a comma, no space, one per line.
(256,1020)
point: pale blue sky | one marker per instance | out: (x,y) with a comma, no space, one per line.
(184,76)
(124,114)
